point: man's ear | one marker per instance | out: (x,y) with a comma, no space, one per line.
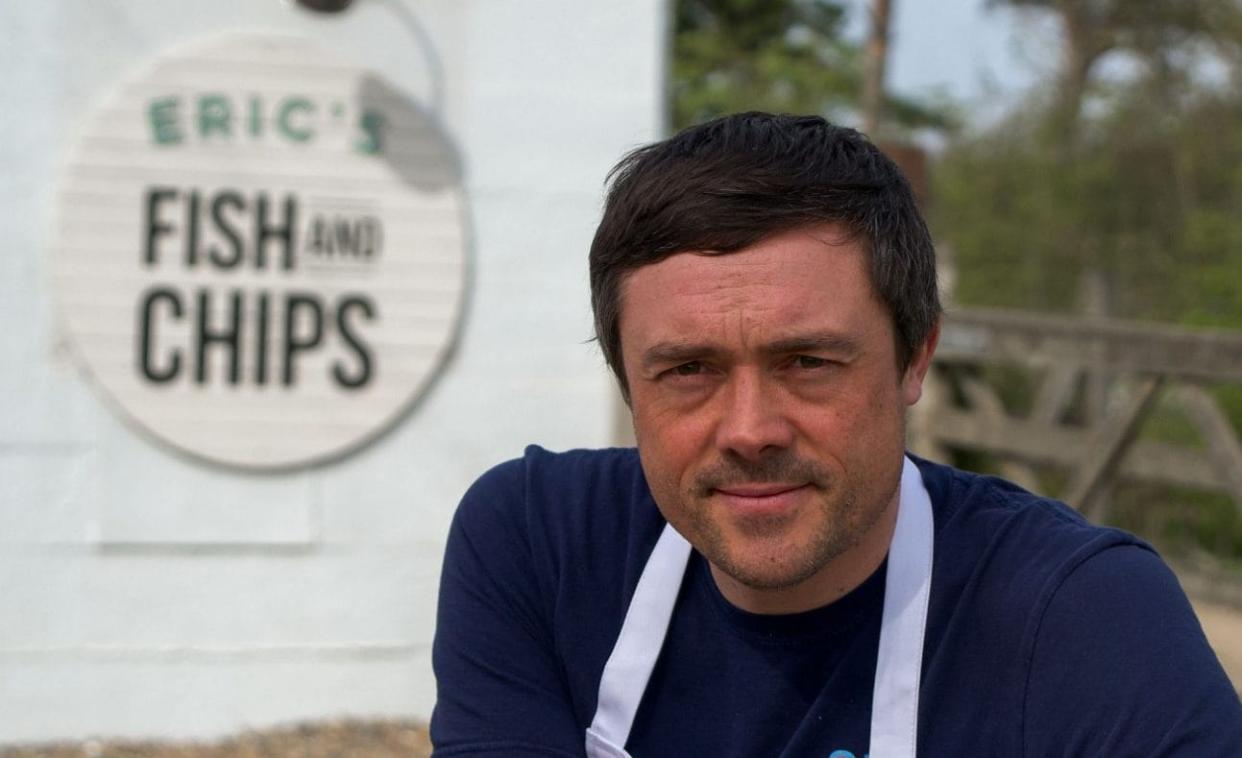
(920,362)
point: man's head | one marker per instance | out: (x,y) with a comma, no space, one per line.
(764,289)
(731,182)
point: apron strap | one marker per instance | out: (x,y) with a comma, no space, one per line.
(642,635)
(907,590)
(899,663)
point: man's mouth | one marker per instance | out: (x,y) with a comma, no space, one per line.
(758,490)
(760,500)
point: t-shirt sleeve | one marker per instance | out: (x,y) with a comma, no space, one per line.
(500,690)
(1120,667)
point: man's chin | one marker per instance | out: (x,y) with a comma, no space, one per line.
(772,569)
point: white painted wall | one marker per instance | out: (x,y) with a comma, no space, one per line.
(145,594)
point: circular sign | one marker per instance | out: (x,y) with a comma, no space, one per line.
(259,251)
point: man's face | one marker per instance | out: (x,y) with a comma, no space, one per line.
(768,408)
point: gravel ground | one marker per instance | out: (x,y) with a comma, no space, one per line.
(346,739)
(1223,626)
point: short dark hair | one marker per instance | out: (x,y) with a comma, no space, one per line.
(729,183)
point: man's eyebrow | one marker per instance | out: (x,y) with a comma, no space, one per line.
(665,353)
(826,342)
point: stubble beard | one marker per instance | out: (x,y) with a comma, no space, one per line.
(773,556)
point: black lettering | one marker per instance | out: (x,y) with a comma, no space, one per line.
(155,227)
(226,199)
(346,237)
(229,337)
(264,232)
(260,348)
(316,242)
(373,236)
(293,343)
(363,375)
(146,331)
(191,230)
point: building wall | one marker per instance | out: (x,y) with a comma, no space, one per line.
(143,593)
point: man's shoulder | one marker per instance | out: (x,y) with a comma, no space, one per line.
(594,466)
(565,502)
(562,481)
(986,514)
(540,558)
(1088,624)
(1011,551)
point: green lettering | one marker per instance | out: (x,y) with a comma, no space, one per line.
(162,114)
(214,115)
(289,129)
(256,116)
(372,140)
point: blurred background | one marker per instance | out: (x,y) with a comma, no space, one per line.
(1077,161)
(282,278)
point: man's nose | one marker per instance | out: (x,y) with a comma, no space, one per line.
(752,420)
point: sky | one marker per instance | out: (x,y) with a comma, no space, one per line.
(982,58)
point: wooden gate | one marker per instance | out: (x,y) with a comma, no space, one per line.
(1102,445)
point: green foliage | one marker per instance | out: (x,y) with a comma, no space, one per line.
(1137,180)
(785,56)
(1145,26)
(1149,198)
(1142,188)
(1180,521)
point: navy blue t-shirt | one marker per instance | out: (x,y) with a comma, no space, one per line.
(1046,636)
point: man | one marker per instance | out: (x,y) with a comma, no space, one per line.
(768,574)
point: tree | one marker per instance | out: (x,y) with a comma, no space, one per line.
(875,62)
(1058,189)
(1159,33)
(774,55)
(1134,180)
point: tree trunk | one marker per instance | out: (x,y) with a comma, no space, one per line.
(875,61)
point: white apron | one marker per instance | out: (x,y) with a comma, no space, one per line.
(895,703)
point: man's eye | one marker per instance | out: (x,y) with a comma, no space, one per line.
(688,369)
(809,361)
